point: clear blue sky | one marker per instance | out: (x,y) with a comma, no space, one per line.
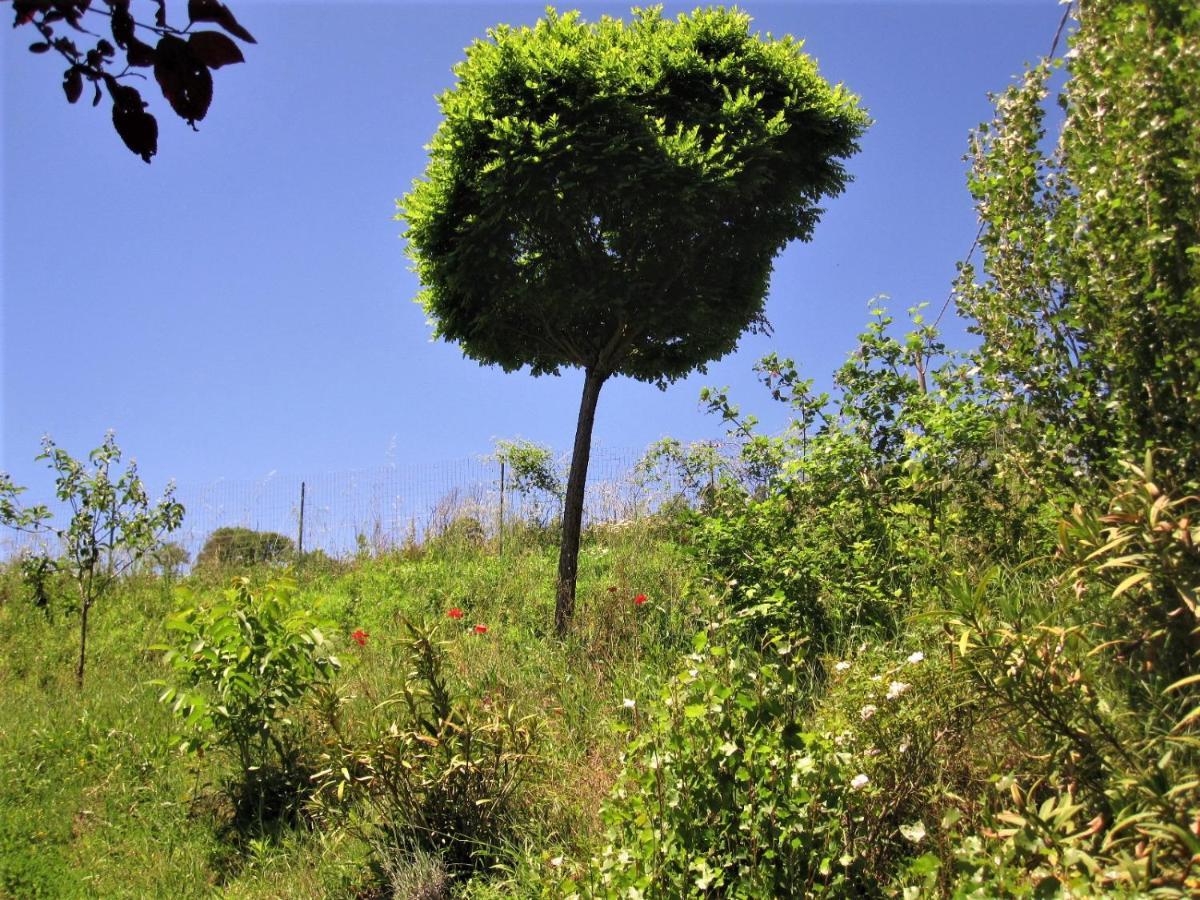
(243,304)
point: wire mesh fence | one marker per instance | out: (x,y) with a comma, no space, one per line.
(393,505)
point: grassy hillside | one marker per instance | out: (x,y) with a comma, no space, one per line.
(98,800)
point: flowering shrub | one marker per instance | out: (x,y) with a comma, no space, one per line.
(726,793)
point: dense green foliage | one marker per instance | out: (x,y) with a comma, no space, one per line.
(937,638)
(236,546)
(611,195)
(238,666)
(985,571)
(1090,313)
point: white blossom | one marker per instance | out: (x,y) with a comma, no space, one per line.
(896,688)
(859,781)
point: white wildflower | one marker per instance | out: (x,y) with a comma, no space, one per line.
(867,711)
(915,658)
(842,666)
(896,688)
(859,781)
(628,703)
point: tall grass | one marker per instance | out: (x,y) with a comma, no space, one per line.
(98,800)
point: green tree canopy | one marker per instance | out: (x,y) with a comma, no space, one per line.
(237,546)
(611,196)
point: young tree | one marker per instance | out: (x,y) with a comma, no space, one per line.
(112,525)
(610,196)
(533,474)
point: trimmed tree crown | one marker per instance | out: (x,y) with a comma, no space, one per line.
(611,195)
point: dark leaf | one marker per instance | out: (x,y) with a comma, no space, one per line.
(137,128)
(72,14)
(214,49)
(184,79)
(39,47)
(72,84)
(96,99)
(215,11)
(160,15)
(122,26)
(140,54)
(66,47)
(27,9)
(105,48)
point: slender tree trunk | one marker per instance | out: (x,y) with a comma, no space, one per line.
(83,617)
(568,554)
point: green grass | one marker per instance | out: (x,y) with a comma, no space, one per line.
(97,800)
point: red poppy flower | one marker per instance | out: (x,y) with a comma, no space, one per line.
(639,599)
(360,637)
(481,629)
(455,613)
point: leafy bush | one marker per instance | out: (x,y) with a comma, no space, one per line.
(245,547)
(170,558)
(869,496)
(239,667)
(434,772)
(751,779)
(1096,678)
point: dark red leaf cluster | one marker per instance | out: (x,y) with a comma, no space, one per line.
(181,58)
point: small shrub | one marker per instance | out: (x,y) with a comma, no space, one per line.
(245,547)
(436,773)
(239,667)
(413,875)
(170,559)
(727,793)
